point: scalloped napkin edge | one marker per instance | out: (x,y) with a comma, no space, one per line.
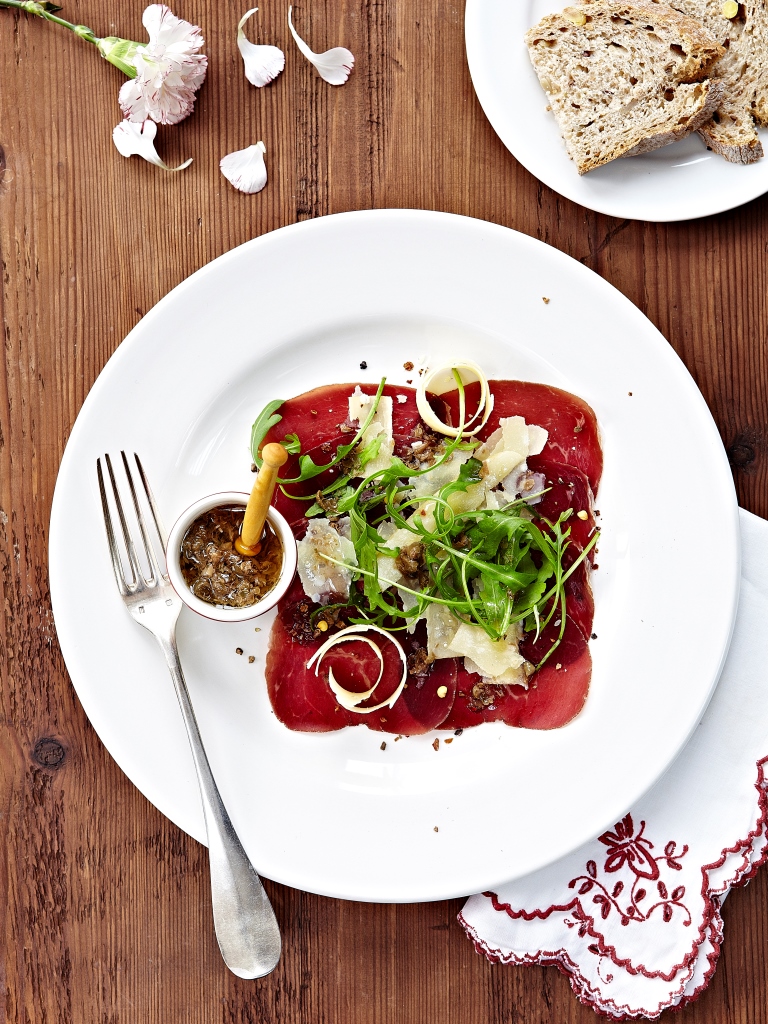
(633,918)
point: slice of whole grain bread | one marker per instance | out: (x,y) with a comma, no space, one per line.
(624,78)
(744,71)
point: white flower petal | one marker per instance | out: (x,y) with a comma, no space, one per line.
(262,63)
(246,168)
(169,70)
(165,28)
(132,139)
(334,66)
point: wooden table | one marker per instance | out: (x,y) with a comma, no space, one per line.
(106,908)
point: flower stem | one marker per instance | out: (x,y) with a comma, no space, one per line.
(39,9)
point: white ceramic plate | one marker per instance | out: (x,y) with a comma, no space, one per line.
(303,306)
(678,182)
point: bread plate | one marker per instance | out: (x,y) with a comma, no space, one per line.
(679,182)
(333,813)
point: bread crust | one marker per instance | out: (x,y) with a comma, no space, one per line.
(734,153)
(715,89)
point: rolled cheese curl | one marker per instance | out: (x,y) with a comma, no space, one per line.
(349,699)
(427,413)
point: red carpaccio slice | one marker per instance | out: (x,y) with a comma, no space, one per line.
(573,439)
(302,699)
(572,465)
(295,693)
(567,487)
(578,594)
(559,689)
(420,708)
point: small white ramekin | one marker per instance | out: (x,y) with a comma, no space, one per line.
(219,612)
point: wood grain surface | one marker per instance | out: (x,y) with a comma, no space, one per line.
(105,908)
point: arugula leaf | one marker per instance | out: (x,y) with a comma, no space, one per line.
(369,452)
(469,473)
(494,599)
(266,419)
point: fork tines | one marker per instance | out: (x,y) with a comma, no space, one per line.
(140,494)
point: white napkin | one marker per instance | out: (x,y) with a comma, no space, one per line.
(633,918)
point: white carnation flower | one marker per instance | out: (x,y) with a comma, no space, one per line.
(169,70)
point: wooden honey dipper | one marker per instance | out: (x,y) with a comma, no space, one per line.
(274,456)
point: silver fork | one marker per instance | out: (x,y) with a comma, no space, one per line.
(245,923)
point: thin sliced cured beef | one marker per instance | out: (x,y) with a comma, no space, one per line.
(558,691)
(554,698)
(296,697)
(573,439)
(302,699)
(420,708)
(579,601)
(316,415)
(466,710)
(567,487)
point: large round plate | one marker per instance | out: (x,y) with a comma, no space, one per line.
(678,182)
(303,306)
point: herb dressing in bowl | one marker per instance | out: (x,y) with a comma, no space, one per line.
(212,577)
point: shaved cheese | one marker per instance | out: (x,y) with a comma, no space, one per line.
(442,625)
(380,426)
(408,601)
(515,434)
(444,473)
(503,456)
(490,446)
(320,578)
(386,529)
(426,517)
(510,677)
(500,465)
(537,438)
(349,699)
(493,657)
(440,380)
(468,500)
(492,500)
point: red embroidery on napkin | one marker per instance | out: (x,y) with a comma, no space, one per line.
(633,898)
(711,925)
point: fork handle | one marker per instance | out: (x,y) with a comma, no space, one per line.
(246,928)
